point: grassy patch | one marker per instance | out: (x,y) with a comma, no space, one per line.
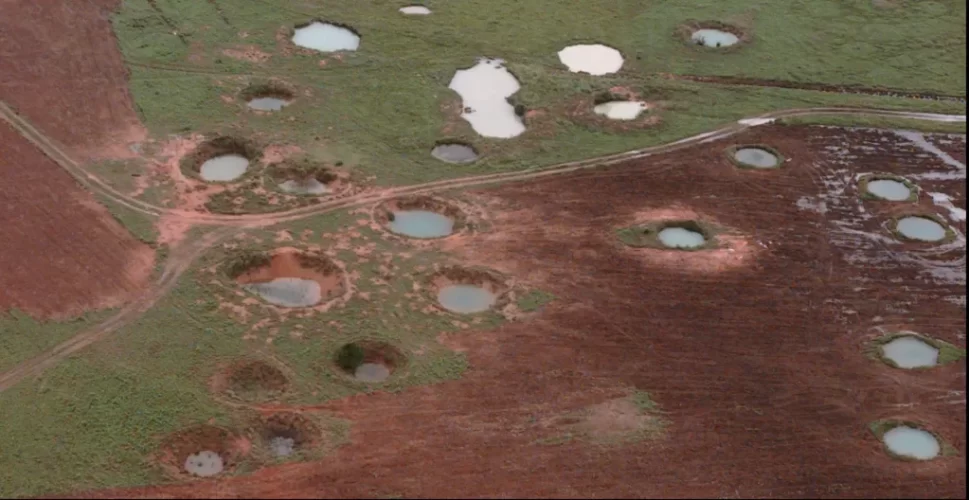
(141,226)
(635,417)
(24,337)
(879,123)
(533,300)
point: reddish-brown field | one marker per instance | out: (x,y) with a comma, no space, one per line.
(753,351)
(63,253)
(60,67)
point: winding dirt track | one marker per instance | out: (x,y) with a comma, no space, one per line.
(183,256)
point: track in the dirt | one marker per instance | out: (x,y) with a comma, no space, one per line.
(179,262)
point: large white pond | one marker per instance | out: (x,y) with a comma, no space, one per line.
(714,38)
(913,443)
(288,292)
(910,352)
(921,229)
(594,59)
(224,168)
(415,10)
(484,89)
(680,237)
(326,37)
(421,224)
(621,110)
(888,189)
(465,299)
(204,464)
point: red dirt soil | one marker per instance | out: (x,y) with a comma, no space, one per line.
(63,253)
(757,364)
(60,67)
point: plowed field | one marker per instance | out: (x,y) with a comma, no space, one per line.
(753,350)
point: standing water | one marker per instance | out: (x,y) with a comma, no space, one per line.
(714,38)
(282,446)
(621,110)
(454,153)
(595,59)
(920,228)
(415,10)
(304,186)
(268,103)
(421,224)
(326,37)
(371,372)
(288,292)
(484,89)
(888,189)
(680,237)
(224,168)
(910,352)
(204,464)
(465,299)
(913,443)
(756,157)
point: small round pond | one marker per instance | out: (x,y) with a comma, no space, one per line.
(224,168)
(421,224)
(326,37)
(756,157)
(594,59)
(286,433)
(681,237)
(465,299)
(454,153)
(910,442)
(290,278)
(369,361)
(268,103)
(204,464)
(888,189)
(920,229)
(714,38)
(621,110)
(910,352)
(415,10)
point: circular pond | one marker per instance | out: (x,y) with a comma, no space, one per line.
(714,38)
(621,110)
(290,278)
(888,189)
(756,157)
(454,153)
(910,352)
(369,361)
(466,299)
(415,10)
(286,433)
(421,224)
(910,442)
(224,168)
(920,229)
(267,103)
(326,37)
(681,237)
(594,59)
(204,464)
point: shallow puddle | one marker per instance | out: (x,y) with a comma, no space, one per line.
(888,189)
(756,157)
(484,89)
(421,224)
(913,443)
(204,464)
(465,299)
(679,237)
(288,292)
(415,10)
(371,372)
(714,38)
(621,110)
(910,352)
(282,446)
(326,37)
(224,168)
(268,103)
(305,186)
(921,229)
(595,59)
(454,153)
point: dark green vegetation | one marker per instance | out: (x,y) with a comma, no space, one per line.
(348,109)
